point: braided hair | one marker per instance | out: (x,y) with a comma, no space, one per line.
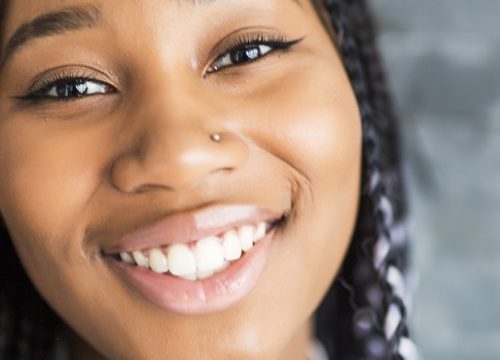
(367,301)
(363,315)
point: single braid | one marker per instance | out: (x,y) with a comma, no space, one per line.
(371,285)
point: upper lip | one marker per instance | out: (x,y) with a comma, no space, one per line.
(192,225)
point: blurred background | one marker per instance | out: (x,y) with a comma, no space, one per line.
(443,62)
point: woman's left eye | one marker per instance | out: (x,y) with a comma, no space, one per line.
(248,52)
(71,88)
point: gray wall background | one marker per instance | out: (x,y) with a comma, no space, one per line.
(443,60)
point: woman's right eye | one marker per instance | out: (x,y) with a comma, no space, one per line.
(70,88)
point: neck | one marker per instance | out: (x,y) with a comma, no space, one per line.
(79,349)
(298,346)
(296,349)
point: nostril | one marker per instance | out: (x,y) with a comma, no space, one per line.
(177,162)
(143,188)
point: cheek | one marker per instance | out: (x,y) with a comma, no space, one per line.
(313,126)
(315,140)
(44,177)
(324,147)
(46,180)
(311,121)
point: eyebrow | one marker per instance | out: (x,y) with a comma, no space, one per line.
(58,22)
(53,23)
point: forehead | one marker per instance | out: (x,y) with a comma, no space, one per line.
(31,19)
(25,9)
(20,12)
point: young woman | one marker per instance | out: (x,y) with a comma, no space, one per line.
(198,180)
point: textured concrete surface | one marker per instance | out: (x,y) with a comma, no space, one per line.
(443,59)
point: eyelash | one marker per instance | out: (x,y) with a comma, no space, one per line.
(246,43)
(249,46)
(65,78)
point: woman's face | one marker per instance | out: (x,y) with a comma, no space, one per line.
(106,114)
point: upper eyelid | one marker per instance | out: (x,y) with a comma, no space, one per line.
(232,39)
(51,76)
(68,80)
(45,85)
(226,44)
(221,68)
(257,39)
(38,95)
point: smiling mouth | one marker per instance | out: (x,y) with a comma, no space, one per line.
(197,261)
(200,259)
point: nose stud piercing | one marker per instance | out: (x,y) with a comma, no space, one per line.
(215,137)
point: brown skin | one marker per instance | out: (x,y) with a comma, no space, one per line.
(108,163)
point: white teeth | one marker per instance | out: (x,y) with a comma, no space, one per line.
(200,275)
(181,261)
(208,253)
(224,265)
(231,245)
(140,259)
(260,232)
(191,277)
(127,258)
(246,233)
(158,261)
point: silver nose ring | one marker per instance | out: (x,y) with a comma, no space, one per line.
(215,137)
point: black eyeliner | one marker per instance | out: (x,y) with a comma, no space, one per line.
(38,96)
(47,84)
(277,41)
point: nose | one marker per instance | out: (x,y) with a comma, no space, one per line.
(176,144)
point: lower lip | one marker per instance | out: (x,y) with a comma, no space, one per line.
(215,293)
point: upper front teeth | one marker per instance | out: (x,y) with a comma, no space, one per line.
(208,254)
(181,261)
(231,245)
(201,259)
(157,261)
